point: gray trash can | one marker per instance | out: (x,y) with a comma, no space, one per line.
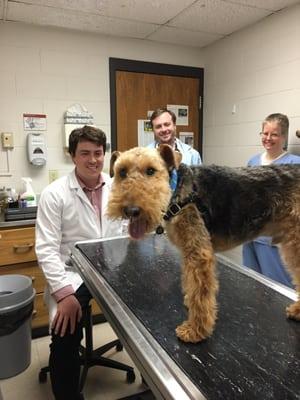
(16,305)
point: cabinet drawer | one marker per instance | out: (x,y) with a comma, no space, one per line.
(17,245)
(29,269)
(40,315)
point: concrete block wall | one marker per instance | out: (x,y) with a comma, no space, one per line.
(249,75)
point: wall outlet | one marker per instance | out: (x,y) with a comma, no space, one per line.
(53,175)
(7,140)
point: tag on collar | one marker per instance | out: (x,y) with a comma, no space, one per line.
(173,179)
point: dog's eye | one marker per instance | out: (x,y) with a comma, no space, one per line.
(150,171)
(123,172)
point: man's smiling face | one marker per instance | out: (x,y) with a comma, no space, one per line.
(89,160)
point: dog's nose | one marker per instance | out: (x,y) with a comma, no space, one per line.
(131,211)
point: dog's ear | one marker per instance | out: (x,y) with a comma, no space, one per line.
(171,158)
(114,156)
(178,158)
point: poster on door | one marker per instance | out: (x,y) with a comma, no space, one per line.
(181,112)
(187,138)
(145,132)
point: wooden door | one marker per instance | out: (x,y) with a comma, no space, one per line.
(138,92)
(139,87)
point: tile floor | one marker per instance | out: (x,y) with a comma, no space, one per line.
(102,383)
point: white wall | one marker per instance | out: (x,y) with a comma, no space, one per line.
(258,70)
(45,70)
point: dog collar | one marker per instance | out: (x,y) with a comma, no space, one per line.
(175,207)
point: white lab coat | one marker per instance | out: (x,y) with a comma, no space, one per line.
(65,216)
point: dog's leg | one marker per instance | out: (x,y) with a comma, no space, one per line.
(189,233)
(290,251)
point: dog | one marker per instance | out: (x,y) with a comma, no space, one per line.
(211,208)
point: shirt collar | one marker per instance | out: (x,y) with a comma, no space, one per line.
(83,186)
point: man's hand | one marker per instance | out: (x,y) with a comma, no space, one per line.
(68,311)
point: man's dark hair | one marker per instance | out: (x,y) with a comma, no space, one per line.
(160,111)
(86,133)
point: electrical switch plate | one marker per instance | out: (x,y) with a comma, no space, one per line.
(53,175)
(7,140)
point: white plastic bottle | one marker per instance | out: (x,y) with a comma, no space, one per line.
(28,195)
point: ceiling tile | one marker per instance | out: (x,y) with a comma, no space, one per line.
(155,11)
(78,20)
(187,22)
(177,36)
(217,16)
(79,5)
(272,5)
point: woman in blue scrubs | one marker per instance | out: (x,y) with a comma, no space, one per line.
(260,255)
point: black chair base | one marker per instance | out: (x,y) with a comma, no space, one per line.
(90,358)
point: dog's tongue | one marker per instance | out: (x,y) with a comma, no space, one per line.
(137,228)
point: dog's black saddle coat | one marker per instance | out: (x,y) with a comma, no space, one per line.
(236,201)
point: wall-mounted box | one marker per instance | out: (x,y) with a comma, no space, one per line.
(7,140)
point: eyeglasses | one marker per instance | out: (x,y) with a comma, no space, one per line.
(265,135)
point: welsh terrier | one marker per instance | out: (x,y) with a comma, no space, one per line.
(211,209)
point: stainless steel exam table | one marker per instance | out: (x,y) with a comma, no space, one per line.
(254,352)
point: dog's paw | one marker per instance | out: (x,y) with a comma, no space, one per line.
(187,333)
(293,311)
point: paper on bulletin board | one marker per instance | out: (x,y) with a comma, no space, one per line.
(34,122)
(149,113)
(187,138)
(181,112)
(145,132)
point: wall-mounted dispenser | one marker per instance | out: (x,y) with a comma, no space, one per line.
(36,148)
(76,117)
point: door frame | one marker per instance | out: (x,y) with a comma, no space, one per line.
(119,64)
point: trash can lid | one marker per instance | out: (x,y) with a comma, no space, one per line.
(16,291)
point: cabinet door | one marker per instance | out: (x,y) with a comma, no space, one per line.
(17,245)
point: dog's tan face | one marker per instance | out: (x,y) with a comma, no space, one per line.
(141,190)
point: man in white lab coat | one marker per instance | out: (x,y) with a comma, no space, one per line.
(71,208)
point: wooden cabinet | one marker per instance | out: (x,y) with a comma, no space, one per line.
(17,245)
(17,256)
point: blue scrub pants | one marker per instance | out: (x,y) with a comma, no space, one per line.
(266,260)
